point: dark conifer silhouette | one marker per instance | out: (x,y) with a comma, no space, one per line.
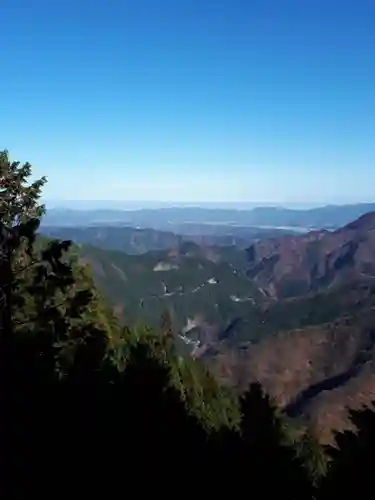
(313,456)
(265,435)
(73,421)
(351,469)
(258,455)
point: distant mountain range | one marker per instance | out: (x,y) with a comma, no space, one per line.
(136,241)
(176,219)
(296,312)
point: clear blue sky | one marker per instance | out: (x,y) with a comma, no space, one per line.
(258,100)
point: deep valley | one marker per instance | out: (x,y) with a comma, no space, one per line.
(295,312)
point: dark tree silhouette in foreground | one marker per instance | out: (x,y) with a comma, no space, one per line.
(265,435)
(258,458)
(74,422)
(351,470)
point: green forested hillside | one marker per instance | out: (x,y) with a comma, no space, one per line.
(53,291)
(52,308)
(220,314)
(210,290)
(213,404)
(190,285)
(86,401)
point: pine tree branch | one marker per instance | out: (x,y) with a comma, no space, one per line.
(36,317)
(28,266)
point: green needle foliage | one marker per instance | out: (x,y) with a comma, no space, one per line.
(89,408)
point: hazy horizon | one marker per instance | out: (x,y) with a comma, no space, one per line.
(150,204)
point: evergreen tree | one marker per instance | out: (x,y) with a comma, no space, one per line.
(19,220)
(73,413)
(350,470)
(269,450)
(40,292)
(313,456)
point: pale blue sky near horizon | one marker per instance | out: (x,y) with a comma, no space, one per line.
(263,101)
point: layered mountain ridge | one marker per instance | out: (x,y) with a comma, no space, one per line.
(295,312)
(291,266)
(321,367)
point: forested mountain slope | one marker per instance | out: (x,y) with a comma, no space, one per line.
(236,308)
(75,385)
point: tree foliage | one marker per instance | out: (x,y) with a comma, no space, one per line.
(42,290)
(351,459)
(82,413)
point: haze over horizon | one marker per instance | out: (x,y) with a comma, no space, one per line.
(139,204)
(152,204)
(216,102)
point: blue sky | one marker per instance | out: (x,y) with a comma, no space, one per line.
(192,100)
